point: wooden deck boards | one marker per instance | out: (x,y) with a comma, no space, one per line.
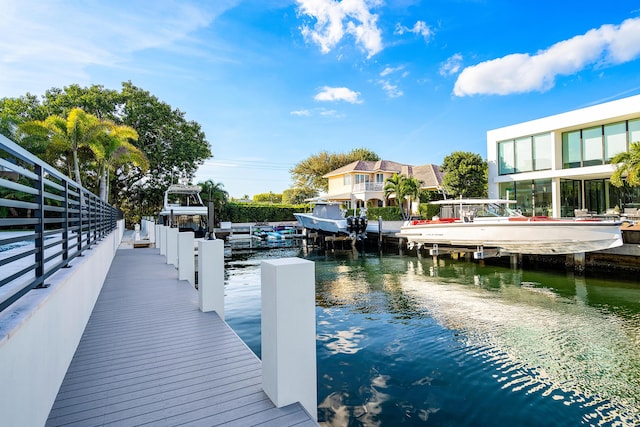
(148,356)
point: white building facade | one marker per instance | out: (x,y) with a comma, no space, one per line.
(560,164)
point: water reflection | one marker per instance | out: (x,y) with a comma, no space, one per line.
(409,341)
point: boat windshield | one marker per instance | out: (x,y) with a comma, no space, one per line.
(477,210)
(496,210)
(328,211)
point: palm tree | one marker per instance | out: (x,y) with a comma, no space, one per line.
(78,131)
(116,150)
(628,164)
(393,186)
(213,192)
(411,189)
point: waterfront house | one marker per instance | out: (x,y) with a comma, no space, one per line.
(361,183)
(561,165)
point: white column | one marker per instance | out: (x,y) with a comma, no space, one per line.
(151,232)
(186,257)
(289,333)
(162,232)
(172,246)
(211,276)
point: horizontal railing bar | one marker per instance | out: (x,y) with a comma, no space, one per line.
(16,257)
(5,183)
(9,203)
(17,169)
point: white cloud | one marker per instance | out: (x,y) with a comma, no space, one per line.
(419,28)
(451,65)
(338,94)
(519,73)
(54,44)
(391,70)
(391,89)
(335,19)
(301,113)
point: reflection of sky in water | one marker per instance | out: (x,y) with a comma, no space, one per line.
(346,342)
(402,341)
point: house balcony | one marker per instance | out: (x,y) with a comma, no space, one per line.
(368,186)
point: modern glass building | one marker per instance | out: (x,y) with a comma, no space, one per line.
(561,165)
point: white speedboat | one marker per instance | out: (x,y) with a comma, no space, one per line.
(329,218)
(491,223)
(183,208)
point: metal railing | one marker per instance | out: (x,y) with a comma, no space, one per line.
(46,220)
(368,186)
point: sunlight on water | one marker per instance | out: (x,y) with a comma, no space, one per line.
(404,341)
(541,343)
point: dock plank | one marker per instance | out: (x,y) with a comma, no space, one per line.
(148,356)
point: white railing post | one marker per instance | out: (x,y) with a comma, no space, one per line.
(172,246)
(162,233)
(289,333)
(186,258)
(211,276)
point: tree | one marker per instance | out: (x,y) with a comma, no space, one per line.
(78,131)
(117,150)
(465,175)
(269,197)
(173,146)
(403,188)
(627,165)
(308,173)
(213,192)
(297,195)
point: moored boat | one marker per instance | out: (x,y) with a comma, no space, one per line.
(329,218)
(491,223)
(183,208)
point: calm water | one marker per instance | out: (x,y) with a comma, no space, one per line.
(404,342)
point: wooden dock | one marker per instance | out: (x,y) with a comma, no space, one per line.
(148,356)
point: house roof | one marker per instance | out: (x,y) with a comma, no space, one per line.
(429,174)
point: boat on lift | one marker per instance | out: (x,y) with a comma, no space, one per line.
(491,223)
(183,208)
(329,218)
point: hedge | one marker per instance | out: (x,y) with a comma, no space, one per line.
(260,212)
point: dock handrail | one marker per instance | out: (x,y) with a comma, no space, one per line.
(46,220)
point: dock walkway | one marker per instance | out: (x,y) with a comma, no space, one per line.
(148,356)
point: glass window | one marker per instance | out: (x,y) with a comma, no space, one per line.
(507,191)
(524,155)
(615,139)
(379,177)
(360,178)
(542,150)
(592,146)
(571,150)
(634,130)
(506,158)
(570,197)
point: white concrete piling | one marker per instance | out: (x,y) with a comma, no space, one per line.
(162,232)
(211,276)
(186,257)
(172,246)
(289,333)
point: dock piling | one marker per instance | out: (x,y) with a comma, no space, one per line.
(289,333)
(211,276)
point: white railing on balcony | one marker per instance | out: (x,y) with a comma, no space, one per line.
(368,186)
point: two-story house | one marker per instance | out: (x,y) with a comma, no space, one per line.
(361,183)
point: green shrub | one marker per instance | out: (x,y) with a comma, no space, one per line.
(428,211)
(260,212)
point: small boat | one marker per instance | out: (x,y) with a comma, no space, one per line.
(491,223)
(183,208)
(329,218)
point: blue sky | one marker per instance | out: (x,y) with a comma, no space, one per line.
(275,81)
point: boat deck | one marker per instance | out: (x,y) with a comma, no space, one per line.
(148,356)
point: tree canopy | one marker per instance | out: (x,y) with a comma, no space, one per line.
(403,188)
(628,167)
(174,146)
(308,173)
(465,175)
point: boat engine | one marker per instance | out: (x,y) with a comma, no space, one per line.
(356,224)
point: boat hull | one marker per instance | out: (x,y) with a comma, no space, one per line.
(542,237)
(322,225)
